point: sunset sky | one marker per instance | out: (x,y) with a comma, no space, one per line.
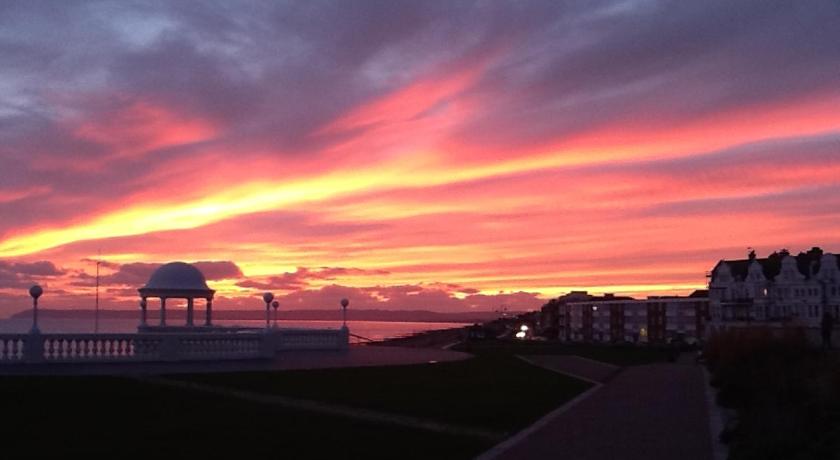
(438,155)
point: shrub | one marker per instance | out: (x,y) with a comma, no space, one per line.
(786,394)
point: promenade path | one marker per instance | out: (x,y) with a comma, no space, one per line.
(655,411)
(355,356)
(575,366)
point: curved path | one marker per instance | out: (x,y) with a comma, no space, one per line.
(644,412)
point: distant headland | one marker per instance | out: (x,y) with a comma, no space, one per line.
(288,315)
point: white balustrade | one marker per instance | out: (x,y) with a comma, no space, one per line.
(11,347)
(87,347)
(162,346)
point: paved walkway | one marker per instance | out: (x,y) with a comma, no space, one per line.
(575,366)
(355,356)
(644,412)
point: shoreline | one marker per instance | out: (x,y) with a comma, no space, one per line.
(435,338)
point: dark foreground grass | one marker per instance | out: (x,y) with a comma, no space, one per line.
(494,392)
(619,355)
(103,417)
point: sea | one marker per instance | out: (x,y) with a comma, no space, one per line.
(372,330)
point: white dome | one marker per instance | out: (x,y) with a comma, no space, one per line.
(177,276)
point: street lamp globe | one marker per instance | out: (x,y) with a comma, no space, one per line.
(268,297)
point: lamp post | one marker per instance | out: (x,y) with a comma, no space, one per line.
(267,298)
(344,304)
(35,291)
(275,305)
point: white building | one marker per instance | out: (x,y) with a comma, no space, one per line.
(780,288)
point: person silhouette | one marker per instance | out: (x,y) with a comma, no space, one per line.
(827,327)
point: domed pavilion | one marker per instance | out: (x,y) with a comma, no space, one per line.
(177,280)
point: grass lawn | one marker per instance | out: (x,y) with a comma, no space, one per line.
(494,392)
(56,417)
(116,417)
(620,355)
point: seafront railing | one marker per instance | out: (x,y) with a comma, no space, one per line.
(311,339)
(151,347)
(87,347)
(12,346)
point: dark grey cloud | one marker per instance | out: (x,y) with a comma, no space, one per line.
(22,275)
(138,273)
(660,62)
(406,297)
(303,276)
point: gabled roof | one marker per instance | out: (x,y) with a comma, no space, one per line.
(772,265)
(699,294)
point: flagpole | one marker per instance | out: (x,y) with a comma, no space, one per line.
(96,314)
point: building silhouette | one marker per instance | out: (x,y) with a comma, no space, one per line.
(778,289)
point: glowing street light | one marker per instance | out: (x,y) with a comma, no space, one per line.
(520,335)
(267,298)
(523,328)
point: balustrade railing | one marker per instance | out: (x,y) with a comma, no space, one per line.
(298,339)
(88,347)
(199,346)
(11,347)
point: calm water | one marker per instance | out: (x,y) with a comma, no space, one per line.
(376,330)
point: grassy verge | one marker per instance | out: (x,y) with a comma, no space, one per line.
(56,417)
(494,392)
(620,355)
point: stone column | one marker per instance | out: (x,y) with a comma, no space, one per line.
(208,320)
(143,312)
(163,311)
(190,311)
